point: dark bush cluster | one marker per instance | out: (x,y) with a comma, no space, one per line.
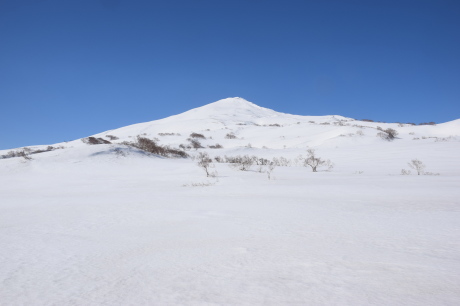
(216,146)
(388,134)
(25,152)
(95,141)
(168,134)
(230,136)
(196,135)
(245,161)
(194,143)
(149,145)
(111,137)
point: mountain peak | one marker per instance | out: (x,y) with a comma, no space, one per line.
(230,107)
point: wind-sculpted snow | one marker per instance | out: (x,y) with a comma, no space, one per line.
(109,224)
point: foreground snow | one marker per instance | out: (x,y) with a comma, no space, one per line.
(107,230)
(82,225)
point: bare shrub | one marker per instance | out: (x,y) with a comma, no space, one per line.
(392,133)
(367,120)
(359,133)
(195,143)
(24,155)
(275,124)
(168,134)
(282,161)
(314,161)
(111,137)
(196,135)
(149,145)
(119,152)
(269,170)
(95,141)
(417,165)
(388,134)
(216,146)
(427,123)
(202,184)
(405,172)
(242,163)
(230,136)
(218,159)
(205,162)
(185,147)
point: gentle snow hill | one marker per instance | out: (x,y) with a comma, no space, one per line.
(108,224)
(261,127)
(353,145)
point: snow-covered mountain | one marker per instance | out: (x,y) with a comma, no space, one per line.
(265,128)
(110,224)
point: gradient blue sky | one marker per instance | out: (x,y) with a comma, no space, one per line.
(72,68)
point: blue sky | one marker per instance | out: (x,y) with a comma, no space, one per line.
(72,68)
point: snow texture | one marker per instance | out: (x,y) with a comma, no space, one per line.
(112,225)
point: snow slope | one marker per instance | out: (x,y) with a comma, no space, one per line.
(85,225)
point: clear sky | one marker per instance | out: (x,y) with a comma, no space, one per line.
(72,68)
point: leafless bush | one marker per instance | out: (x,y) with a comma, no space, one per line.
(24,155)
(195,143)
(314,161)
(111,137)
(431,173)
(260,161)
(388,134)
(196,135)
(205,162)
(203,184)
(325,123)
(119,152)
(216,146)
(417,165)
(427,123)
(367,120)
(149,145)
(218,159)
(311,121)
(230,136)
(269,170)
(95,141)
(359,133)
(405,172)
(242,163)
(168,134)
(411,133)
(275,124)
(185,147)
(281,161)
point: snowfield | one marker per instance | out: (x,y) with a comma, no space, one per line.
(88,225)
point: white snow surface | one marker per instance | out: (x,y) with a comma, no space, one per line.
(83,225)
